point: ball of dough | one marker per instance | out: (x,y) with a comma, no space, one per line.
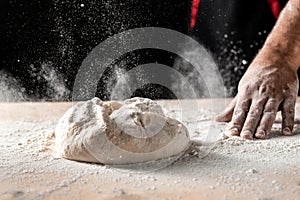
(116,134)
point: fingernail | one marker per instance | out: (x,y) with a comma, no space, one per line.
(286,131)
(247,135)
(233,132)
(261,134)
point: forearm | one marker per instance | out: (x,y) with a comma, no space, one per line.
(284,41)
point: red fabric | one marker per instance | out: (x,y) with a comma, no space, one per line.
(194,13)
(275,7)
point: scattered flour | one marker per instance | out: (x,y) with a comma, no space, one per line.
(234,169)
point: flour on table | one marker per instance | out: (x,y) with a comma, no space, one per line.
(113,133)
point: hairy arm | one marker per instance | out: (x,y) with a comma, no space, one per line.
(270,83)
(284,40)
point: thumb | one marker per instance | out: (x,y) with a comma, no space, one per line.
(226,115)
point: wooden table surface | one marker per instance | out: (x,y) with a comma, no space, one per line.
(235,169)
(54,110)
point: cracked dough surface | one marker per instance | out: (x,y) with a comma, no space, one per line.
(114,133)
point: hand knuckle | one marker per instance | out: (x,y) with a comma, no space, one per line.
(254,112)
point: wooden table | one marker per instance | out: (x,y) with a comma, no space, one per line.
(235,169)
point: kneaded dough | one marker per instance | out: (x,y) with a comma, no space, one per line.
(113,133)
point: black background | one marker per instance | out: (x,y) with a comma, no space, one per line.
(62,33)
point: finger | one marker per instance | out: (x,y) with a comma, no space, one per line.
(239,116)
(288,114)
(227,113)
(268,118)
(253,118)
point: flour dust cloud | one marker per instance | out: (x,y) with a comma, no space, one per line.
(12,90)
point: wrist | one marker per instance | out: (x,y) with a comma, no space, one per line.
(280,54)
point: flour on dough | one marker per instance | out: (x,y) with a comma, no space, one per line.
(113,133)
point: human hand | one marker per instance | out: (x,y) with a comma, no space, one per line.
(264,89)
(270,84)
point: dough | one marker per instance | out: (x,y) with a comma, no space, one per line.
(113,133)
